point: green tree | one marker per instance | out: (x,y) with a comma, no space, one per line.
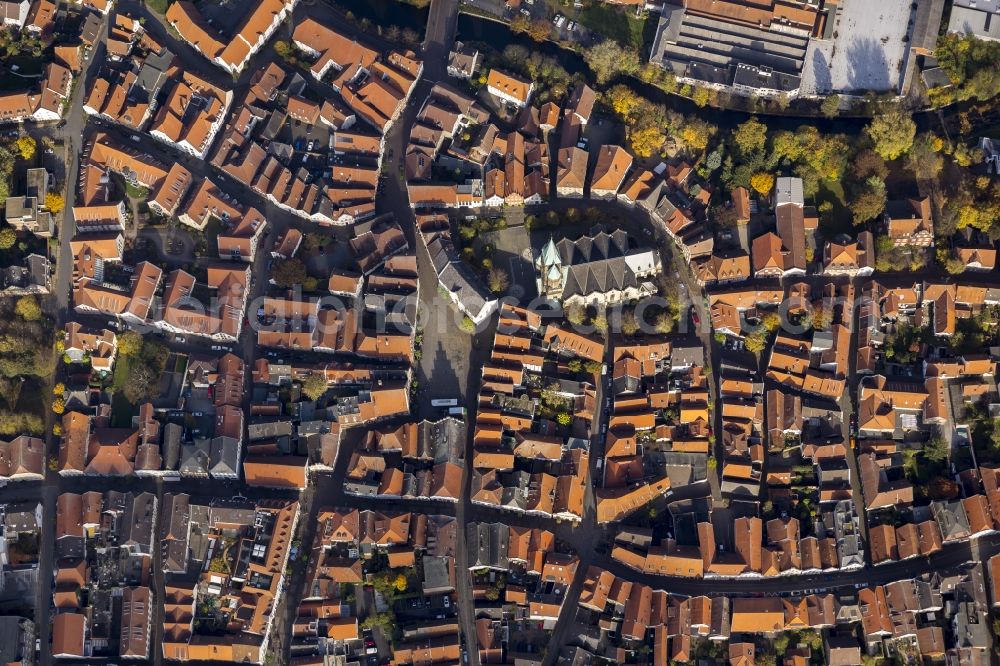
(750,136)
(7,238)
(28,309)
(924,160)
(830,106)
(725,216)
(821,318)
(288,273)
(467,325)
(701,96)
(498,280)
(141,384)
(892,133)
(868,163)
(762,182)
(607,60)
(870,201)
(314,386)
(54,202)
(772,322)
(937,450)
(130,344)
(384,621)
(646,141)
(538,30)
(26,146)
(756,342)
(575,314)
(630,326)
(696,134)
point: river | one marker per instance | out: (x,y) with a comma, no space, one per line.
(386,12)
(497,35)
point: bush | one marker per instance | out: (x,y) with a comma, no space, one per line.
(26,147)
(55,202)
(762,182)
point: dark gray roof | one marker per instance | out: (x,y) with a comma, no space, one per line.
(441,251)
(195,458)
(171,445)
(21,517)
(437,577)
(926,24)
(685,354)
(951,518)
(488,545)
(152,75)
(137,523)
(458,279)
(765,78)
(581,101)
(444,439)
(225,459)
(596,263)
(91,28)
(706,73)
(269,430)
(981,20)
(11,638)
(935,77)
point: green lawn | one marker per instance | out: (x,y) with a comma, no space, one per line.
(120,375)
(158,6)
(839,220)
(121,409)
(211,234)
(28,65)
(136,191)
(620,25)
(180,364)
